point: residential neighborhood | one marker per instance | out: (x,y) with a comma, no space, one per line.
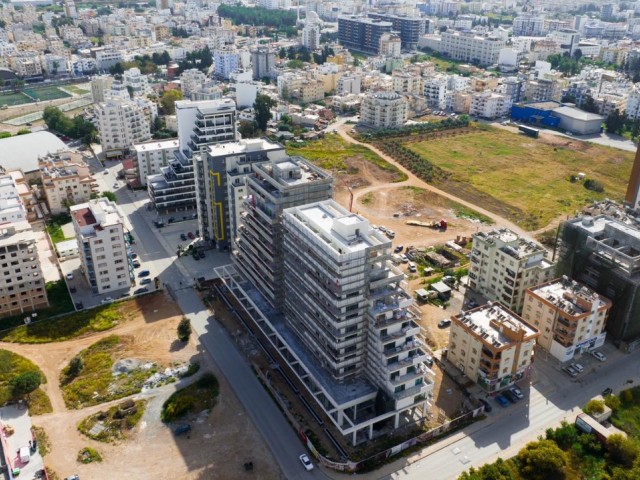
(315,239)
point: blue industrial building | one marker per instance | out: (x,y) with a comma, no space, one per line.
(540,113)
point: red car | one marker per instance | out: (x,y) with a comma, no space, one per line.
(191,235)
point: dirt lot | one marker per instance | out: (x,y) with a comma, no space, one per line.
(217,446)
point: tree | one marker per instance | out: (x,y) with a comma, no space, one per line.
(615,122)
(184,329)
(247,129)
(130,91)
(542,460)
(500,470)
(109,196)
(594,406)
(75,367)
(589,104)
(622,450)
(168,101)
(262,108)
(25,383)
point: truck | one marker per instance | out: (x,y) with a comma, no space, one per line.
(531,132)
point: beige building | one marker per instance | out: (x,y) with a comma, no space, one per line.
(66,180)
(571,317)
(489,105)
(492,346)
(503,265)
(383,110)
(407,83)
(121,123)
(22,286)
(102,245)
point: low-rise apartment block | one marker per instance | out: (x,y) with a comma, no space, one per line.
(102,245)
(489,105)
(492,346)
(503,265)
(22,286)
(571,317)
(383,110)
(66,180)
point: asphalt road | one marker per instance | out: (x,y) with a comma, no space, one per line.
(269,421)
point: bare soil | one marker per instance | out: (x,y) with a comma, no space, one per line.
(217,446)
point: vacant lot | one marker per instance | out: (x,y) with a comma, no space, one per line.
(334,154)
(525,179)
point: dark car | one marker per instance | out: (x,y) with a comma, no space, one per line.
(144,273)
(145,281)
(182,429)
(183,237)
(444,323)
(136,264)
(606,392)
(79,306)
(503,402)
(485,404)
(134,255)
(398,249)
(140,291)
(201,254)
(510,396)
(191,235)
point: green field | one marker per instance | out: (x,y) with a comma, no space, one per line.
(12,99)
(46,93)
(335,154)
(525,179)
(76,90)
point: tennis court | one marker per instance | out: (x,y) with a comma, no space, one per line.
(12,99)
(46,93)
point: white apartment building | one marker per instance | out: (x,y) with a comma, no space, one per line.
(528,25)
(489,105)
(153,155)
(138,83)
(349,83)
(12,208)
(102,246)
(66,180)
(435,91)
(226,61)
(263,62)
(311,36)
(390,45)
(571,317)
(407,83)
(348,329)
(107,58)
(99,87)
(22,286)
(503,265)
(383,110)
(191,81)
(632,109)
(469,47)
(492,346)
(121,123)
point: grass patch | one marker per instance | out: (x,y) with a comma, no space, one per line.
(12,99)
(470,214)
(46,93)
(39,403)
(12,365)
(524,179)
(89,455)
(94,382)
(54,227)
(44,444)
(335,154)
(76,90)
(627,416)
(71,326)
(367,198)
(198,396)
(117,421)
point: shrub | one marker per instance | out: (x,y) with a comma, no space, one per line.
(184,329)
(594,407)
(622,450)
(593,185)
(191,370)
(177,407)
(25,383)
(89,455)
(612,401)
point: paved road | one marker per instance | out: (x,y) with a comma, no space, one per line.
(269,421)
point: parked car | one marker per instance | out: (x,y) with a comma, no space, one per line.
(183,237)
(182,429)
(412,267)
(140,291)
(145,281)
(136,264)
(599,355)
(517,392)
(106,300)
(404,258)
(503,402)
(144,273)
(73,477)
(191,235)
(577,367)
(606,392)
(509,396)
(398,249)
(134,255)
(570,371)
(382,228)
(308,466)
(201,254)
(79,306)
(485,404)
(444,323)
(391,234)
(69,276)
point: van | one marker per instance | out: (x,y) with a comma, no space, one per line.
(412,267)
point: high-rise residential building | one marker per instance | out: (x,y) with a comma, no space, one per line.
(70,9)
(221,188)
(348,329)
(503,265)
(191,81)
(22,287)
(543,90)
(226,60)
(153,155)
(409,28)
(121,123)
(200,124)
(66,180)
(103,245)
(274,186)
(263,60)
(603,253)
(311,36)
(470,47)
(136,82)
(571,317)
(528,25)
(383,110)
(361,34)
(632,198)
(492,346)
(390,45)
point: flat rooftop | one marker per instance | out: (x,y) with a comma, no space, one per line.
(569,296)
(155,145)
(492,320)
(243,146)
(16,232)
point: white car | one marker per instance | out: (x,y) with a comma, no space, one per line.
(404,258)
(69,276)
(106,300)
(599,355)
(517,392)
(577,367)
(391,234)
(308,466)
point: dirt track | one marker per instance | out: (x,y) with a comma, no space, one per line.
(217,446)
